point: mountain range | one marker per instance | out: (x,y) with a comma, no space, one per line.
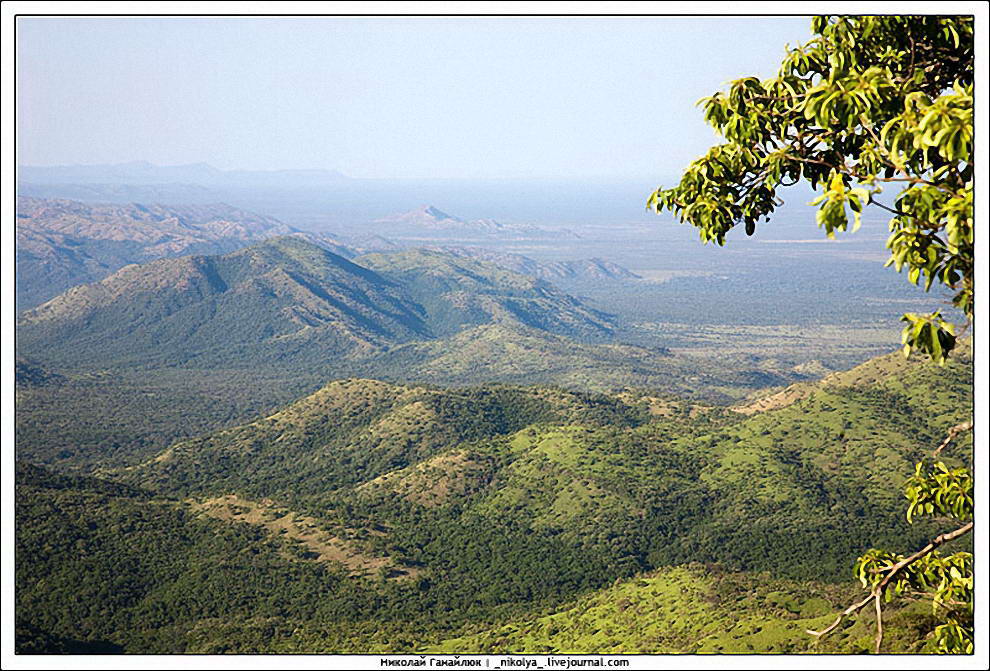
(579,271)
(377,517)
(287,304)
(287,300)
(64,243)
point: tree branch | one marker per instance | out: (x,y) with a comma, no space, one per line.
(892,210)
(877,592)
(941,539)
(876,600)
(953,432)
(848,611)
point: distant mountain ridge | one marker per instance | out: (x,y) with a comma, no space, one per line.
(290,304)
(593,269)
(431,220)
(63,243)
(288,299)
(581,270)
(185,194)
(281,298)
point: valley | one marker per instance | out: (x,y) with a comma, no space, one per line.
(464,436)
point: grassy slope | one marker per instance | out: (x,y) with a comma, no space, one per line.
(698,609)
(355,430)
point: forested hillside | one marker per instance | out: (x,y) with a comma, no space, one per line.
(423,517)
(277,299)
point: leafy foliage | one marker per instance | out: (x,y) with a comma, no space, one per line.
(870,101)
(940,491)
(935,490)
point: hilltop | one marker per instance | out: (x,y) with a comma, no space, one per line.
(64,243)
(355,430)
(269,322)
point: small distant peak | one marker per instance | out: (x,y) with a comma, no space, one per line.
(424,215)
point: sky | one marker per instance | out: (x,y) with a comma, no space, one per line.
(386,97)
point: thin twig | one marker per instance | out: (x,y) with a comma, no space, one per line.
(892,210)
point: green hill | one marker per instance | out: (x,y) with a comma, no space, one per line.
(355,430)
(371,516)
(600,472)
(178,347)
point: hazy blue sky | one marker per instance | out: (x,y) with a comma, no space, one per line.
(385,97)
